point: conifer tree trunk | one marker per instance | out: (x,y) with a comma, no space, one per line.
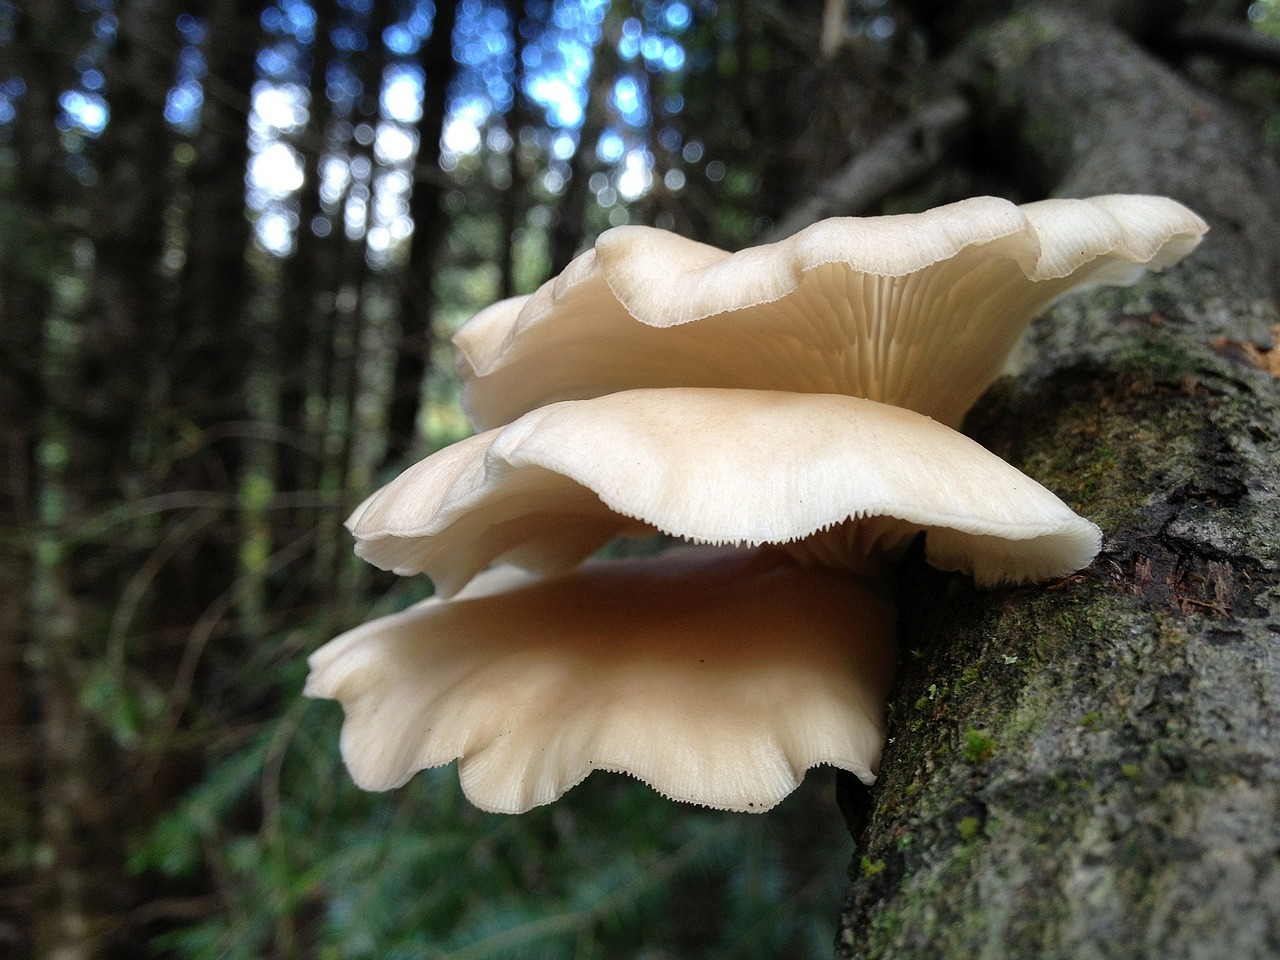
(413,352)
(1093,769)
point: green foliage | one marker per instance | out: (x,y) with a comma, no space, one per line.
(302,857)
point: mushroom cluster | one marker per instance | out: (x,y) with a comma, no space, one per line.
(789,410)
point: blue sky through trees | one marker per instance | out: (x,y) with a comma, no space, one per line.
(556,40)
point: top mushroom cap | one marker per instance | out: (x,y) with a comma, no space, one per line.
(741,467)
(917,310)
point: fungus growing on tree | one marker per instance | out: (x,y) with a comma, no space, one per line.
(918,310)
(778,410)
(840,481)
(716,676)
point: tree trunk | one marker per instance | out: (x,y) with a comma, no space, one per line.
(1093,769)
(417,301)
(34,250)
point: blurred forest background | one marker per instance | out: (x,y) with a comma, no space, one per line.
(235,237)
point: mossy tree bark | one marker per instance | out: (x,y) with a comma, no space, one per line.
(1093,769)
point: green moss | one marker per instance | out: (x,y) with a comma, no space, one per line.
(871,868)
(978,747)
(968,828)
(1155,359)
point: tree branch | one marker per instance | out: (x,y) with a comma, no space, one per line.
(1226,38)
(906,152)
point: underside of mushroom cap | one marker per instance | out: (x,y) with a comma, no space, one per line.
(740,467)
(718,677)
(916,310)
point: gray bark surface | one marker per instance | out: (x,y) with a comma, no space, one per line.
(1092,769)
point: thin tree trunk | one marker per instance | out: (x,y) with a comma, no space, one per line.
(39,53)
(413,351)
(1093,770)
(512,202)
(570,228)
(90,462)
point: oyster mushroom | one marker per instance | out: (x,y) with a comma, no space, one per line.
(916,310)
(775,402)
(719,677)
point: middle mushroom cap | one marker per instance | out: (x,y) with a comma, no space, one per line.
(843,481)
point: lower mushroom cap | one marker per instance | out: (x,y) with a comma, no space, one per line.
(716,676)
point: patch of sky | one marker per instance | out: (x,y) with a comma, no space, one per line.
(611,147)
(190,29)
(185,98)
(11,91)
(647,38)
(14,87)
(347,39)
(182,107)
(106,27)
(279,61)
(276,171)
(335,175)
(402,93)
(278,108)
(631,38)
(291,18)
(462,129)
(342,87)
(483,48)
(563,146)
(628,97)
(400,40)
(636,175)
(394,144)
(83,112)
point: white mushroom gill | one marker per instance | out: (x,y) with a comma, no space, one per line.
(916,310)
(776,401)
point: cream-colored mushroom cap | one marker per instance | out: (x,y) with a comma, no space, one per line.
(740,467)
(918,310)
(718,677)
